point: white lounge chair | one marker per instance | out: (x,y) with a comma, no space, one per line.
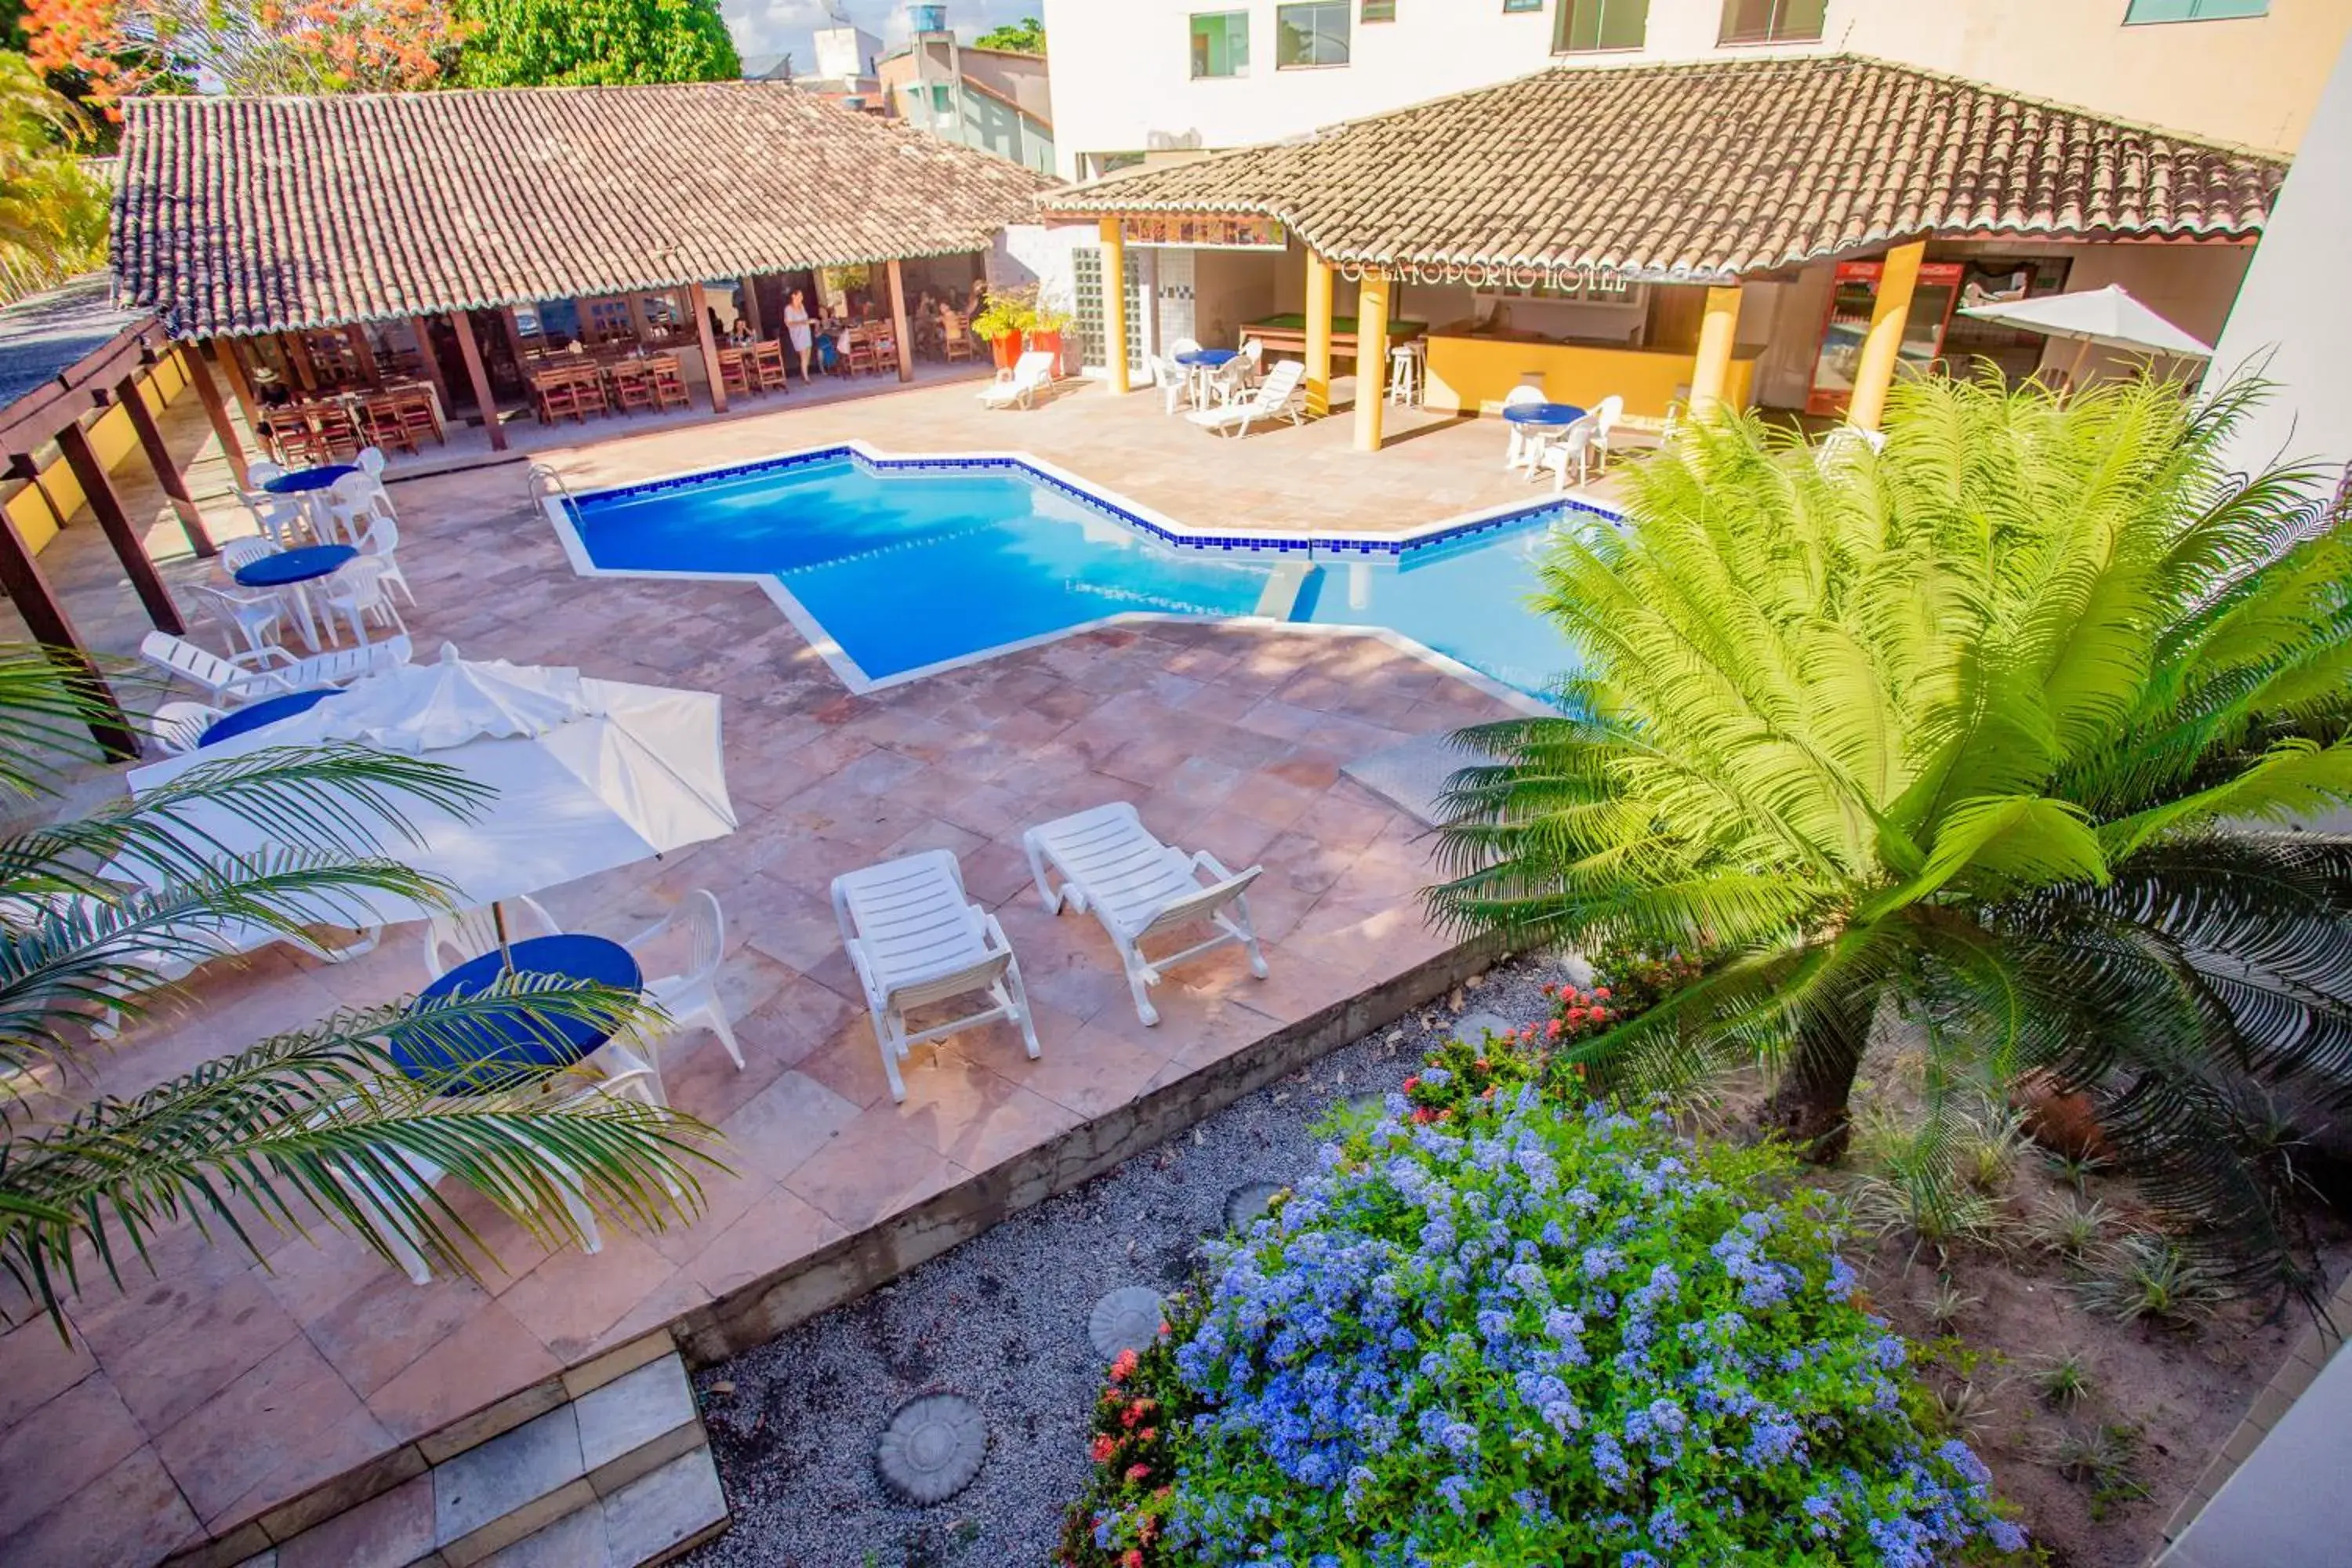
(1031,374)
(690,997)
(178,728)
(1141,888)
(915,938)
(267,671)
(1277,398)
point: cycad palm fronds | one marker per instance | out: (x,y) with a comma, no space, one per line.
(1996,724)
(95,911)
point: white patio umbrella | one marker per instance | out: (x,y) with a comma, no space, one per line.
(2104,318)
(590,774)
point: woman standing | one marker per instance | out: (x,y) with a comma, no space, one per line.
(797,327)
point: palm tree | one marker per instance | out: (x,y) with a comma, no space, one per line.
(52,211)
(2001,728)
(284,1133)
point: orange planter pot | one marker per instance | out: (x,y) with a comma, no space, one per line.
(1006,350)
(1048,343)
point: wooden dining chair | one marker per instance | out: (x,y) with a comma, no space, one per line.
(669,383)
(767,361)
(381,423)
(418,413)
(731,374)
(588,391)
(633,386)
(959,335)
(339,433)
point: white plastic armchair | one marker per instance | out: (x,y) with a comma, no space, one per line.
(1170,378)
(370,461)
(453,939)
(1521,452)
(239,553)
(261,474)
(250,616)
(357,593)
(382,542)
(1605,415)
(690,998)
(915,939)
(1141,888)
(1556,451)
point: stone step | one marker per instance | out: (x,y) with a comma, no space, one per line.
(618,1478)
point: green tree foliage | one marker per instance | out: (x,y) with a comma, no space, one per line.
(1026,37)
(579,43)
(52,213)
(281,1135)
(2001,728)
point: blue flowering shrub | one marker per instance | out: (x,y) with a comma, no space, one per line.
(1545,1335)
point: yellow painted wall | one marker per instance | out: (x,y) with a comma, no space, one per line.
(112,440)
(1473,374)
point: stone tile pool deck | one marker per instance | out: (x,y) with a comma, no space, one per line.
(199,1400)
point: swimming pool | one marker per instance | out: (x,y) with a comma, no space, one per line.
(895,567)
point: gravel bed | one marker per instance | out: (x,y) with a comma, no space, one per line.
(1002,1320)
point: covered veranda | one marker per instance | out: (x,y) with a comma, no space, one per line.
(1591,232)
(384,270)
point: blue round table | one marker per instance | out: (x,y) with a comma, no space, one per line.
(1544,413)
(1212,358)
(505,1048)
(269,710)
(291,566)
(301,481)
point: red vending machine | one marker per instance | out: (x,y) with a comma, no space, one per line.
(1853,297)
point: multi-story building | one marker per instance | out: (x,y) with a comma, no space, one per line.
(1147,81)
(998,101)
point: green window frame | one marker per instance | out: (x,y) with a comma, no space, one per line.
(1589,27)
(2138,11)
(1377,11)
(1311,33)
(1772,21)
(1220,43)
(1511,6)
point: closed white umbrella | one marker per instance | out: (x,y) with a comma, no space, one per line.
(590,774)
(2107,318)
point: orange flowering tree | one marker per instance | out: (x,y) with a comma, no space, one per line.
(127,47)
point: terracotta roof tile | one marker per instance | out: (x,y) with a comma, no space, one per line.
(1711,170)
(262,214)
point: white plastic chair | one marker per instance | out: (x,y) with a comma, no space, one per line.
(381,542)
(261,474)
(356,503)
(1175,387)
(1253,359)
(1557,449)
(1279,398)
(356,591)
(914,939)
(689,997)
(1523,437)
(267,671)
(1031,374)
(178,728)
(239,553)
(1141,888)
(283,520)
(1605,415)
(470,933)
(1845,443)
(250,614)
(370,461)
(1183,346)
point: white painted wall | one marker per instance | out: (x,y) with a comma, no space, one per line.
(1122,68)
(2293,317)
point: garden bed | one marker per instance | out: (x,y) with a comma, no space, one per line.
(1003,1320)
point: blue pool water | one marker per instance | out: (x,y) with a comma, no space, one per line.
(906,569)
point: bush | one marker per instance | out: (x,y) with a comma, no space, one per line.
(1542,1333)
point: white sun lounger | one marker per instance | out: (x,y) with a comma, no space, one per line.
(1138,889)
(1031,374)
(1275,398)
(269,670)
(916,938)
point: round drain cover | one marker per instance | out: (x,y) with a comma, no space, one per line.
(1247,1203)
(1126,1319)
(932,1447)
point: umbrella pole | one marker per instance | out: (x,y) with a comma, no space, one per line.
(498,921)
(2074,371)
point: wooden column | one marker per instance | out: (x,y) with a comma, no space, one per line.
(1718,330)
(637,323)
(898,322)
(1371,357)
(751,305)
(423,327)
(298,359)
(1882,346)
(700,310)
(98,491)
(514,334)
(27,587)
(167,471)
(240,386)
(1318,337)
(200,376)
(1114,255)
(471,353)
(364,354)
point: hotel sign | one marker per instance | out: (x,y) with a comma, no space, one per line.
(1204,232)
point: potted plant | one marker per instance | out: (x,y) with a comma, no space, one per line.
(1002,322)
(1047,322)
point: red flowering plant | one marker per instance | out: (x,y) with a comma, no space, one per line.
(1120,1520)
(1462,1073)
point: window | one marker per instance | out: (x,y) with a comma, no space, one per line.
(2192,10)
(1220,44)
(1772,21)
(1310,35)
(1379,11)
(1511,6)
(943,102)
(1588,24)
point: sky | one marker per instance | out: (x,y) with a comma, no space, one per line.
(772,26)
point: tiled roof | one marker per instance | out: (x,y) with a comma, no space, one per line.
(1711,170)
(263,215)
